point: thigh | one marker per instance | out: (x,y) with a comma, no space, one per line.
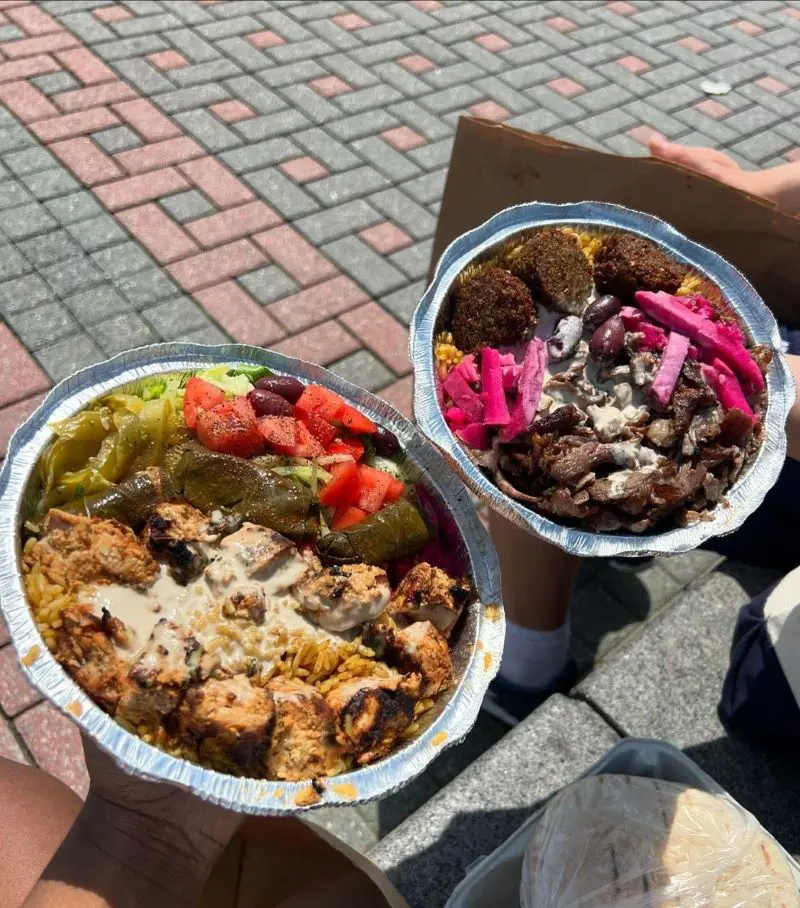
(36,811)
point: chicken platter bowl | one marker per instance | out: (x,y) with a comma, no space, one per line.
(250,573)
(599,378)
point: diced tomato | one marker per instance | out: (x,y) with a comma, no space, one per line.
(346,516)
(199,395)
(279,433)
(318,401)
(355,422)
(230,428)
(321,429)
(394,490)
(372,487)
(352,446)
(305,445)
(342,487)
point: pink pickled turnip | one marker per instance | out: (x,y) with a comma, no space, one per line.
(463,396)
(466,368)
(475,435)
(728,390)
(529,390)
(664,308)
(511,370)
(495,408)
(654,337)
(456,418)
(698,304)
(669,370)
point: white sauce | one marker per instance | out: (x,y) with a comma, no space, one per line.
(242,563)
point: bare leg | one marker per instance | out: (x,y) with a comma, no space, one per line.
(537,583)
(537,577)
(36,811)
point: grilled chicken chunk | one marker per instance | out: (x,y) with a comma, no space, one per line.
(422,649)
(87,650)
(303,744)
(175,532)
(76,549)
(166,666)
(261,555)
(229,722)
(427,593)
(343,596)
(373,712)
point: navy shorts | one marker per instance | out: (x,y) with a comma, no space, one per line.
(756,698)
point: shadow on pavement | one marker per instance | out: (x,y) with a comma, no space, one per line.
(764,781)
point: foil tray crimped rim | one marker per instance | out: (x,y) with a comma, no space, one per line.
(758,475)
(252,796)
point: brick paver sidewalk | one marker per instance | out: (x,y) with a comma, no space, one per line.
(271,172)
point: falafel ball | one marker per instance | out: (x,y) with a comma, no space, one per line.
(626,263)
(553,265)
(490,309)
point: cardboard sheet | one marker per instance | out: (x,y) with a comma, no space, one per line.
(494,166)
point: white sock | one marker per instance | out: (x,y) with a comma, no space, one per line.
(533,660)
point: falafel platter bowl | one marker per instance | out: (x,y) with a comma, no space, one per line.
(240,574)
(600,379)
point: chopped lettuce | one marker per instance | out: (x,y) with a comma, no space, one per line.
(387,465)
(251,371)
(233,385)
(308,473)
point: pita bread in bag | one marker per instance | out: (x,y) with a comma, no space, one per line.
(630,842)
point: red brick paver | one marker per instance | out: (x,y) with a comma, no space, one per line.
(317,303)
(400,395)
(27,102)
(55,744)
(16,694)
(303,170)
(385,336)
(239,314)
(265,39)
(11,417)
(416,63)
(330,86)
(216,265)
(88,67)
(143,188)
(86,160)
(158,233)
(149,122)
(296,255)
(27,47)
(403,138)
(232,224)
(166,60)
(84,98)
(385,237)
(159,154)
(112,13)
(9,748)
(217,182)
(232,111)
(493,43)
(20,376)
(75,124)
(322,344)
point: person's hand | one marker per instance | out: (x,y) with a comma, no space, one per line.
(134,843)
(780,185)
(708,161)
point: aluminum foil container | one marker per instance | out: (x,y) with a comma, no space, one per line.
(476,653)
(758,475)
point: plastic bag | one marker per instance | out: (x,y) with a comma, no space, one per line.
(631,842)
